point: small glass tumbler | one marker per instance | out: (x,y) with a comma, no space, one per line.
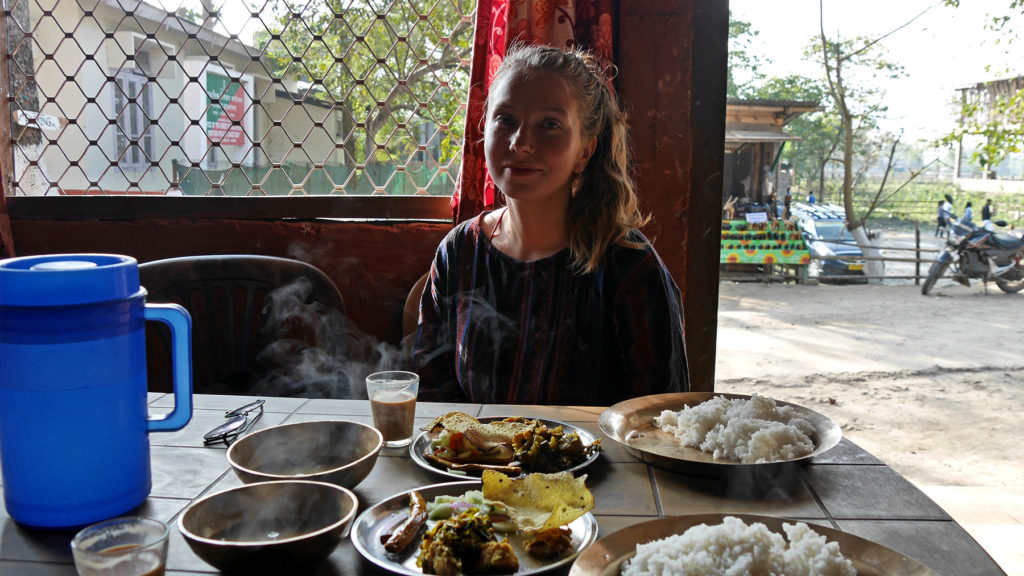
(129,546)
(392,397)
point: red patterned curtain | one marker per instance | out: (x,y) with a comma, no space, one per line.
(6,234)
(499,23)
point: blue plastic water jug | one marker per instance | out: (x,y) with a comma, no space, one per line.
(74,443)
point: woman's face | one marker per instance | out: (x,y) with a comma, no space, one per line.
(533,136)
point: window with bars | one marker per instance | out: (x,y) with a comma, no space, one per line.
(238,97)
(134,107)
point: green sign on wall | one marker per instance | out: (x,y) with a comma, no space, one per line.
(226,100)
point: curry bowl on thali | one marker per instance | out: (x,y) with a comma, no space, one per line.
(459,445)
(499,525)
(696,430)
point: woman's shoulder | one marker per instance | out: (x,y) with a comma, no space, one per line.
(636,264)
(637,249)
(470,229)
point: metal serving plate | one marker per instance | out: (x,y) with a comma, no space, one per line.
(421,445)
(380,519)
(607,555)
(631,423)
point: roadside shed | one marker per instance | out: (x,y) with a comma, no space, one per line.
(754,140)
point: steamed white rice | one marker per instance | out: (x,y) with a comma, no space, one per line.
(734,548)
(751,431)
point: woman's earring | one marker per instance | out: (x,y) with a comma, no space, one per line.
(574,184)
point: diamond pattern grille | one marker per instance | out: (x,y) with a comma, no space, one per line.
(237,97)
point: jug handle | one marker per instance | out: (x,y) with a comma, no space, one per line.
(178,320)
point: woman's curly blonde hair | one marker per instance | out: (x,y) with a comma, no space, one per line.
(605,208)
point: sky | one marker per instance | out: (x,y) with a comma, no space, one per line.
(945,49)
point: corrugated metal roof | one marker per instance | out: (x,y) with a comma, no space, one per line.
(739,136)
(773,102)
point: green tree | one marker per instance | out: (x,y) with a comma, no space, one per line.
(818,131)
(853,70)
(997,119)
(397,69)
(743,74)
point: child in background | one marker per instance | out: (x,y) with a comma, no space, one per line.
(941,220)
(556,298)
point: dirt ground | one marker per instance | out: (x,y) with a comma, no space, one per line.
(931,385)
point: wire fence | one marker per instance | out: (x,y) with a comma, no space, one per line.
(1010,209)
(902,263)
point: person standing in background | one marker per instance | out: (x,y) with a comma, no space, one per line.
(773,206)
(941,220)
(968,214)
(987,211)
(810,198)
(786,204)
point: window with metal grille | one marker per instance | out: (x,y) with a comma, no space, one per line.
(134,107)
(238,97)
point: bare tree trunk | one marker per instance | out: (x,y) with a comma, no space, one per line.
(821,181)
(871,267)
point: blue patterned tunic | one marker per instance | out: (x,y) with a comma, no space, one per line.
(493,329)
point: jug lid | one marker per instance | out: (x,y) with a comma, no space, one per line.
(67,279)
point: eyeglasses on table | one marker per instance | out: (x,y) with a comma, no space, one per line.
(239,421)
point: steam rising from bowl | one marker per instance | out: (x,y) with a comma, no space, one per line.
(336,451)
(268,527)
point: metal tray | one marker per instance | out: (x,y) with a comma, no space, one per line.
(606,556)
(421,445)
(369,526)
(631,423)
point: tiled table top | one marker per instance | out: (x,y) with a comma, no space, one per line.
(846,488)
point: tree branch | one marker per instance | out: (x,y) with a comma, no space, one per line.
(909,179)
(893,31)
(888,169)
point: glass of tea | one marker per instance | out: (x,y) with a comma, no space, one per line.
(392,397)
(130,546)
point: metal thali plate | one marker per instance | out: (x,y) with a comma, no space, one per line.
(631,423)
(607,556)
(381,518)
(421,445)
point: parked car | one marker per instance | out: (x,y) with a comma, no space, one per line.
(823,227)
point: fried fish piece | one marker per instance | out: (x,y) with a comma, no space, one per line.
(407,530)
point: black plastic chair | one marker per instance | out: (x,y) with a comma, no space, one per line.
(261,325)
(411,311)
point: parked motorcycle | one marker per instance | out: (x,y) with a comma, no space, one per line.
(980,253)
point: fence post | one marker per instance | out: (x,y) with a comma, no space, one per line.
(917,254)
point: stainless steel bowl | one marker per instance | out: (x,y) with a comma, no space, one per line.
(268,527)
(335,451)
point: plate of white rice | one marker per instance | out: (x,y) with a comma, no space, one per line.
(727,545)
(690,429)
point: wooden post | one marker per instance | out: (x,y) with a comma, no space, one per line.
(917,253)
(674,92)
(6,156)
